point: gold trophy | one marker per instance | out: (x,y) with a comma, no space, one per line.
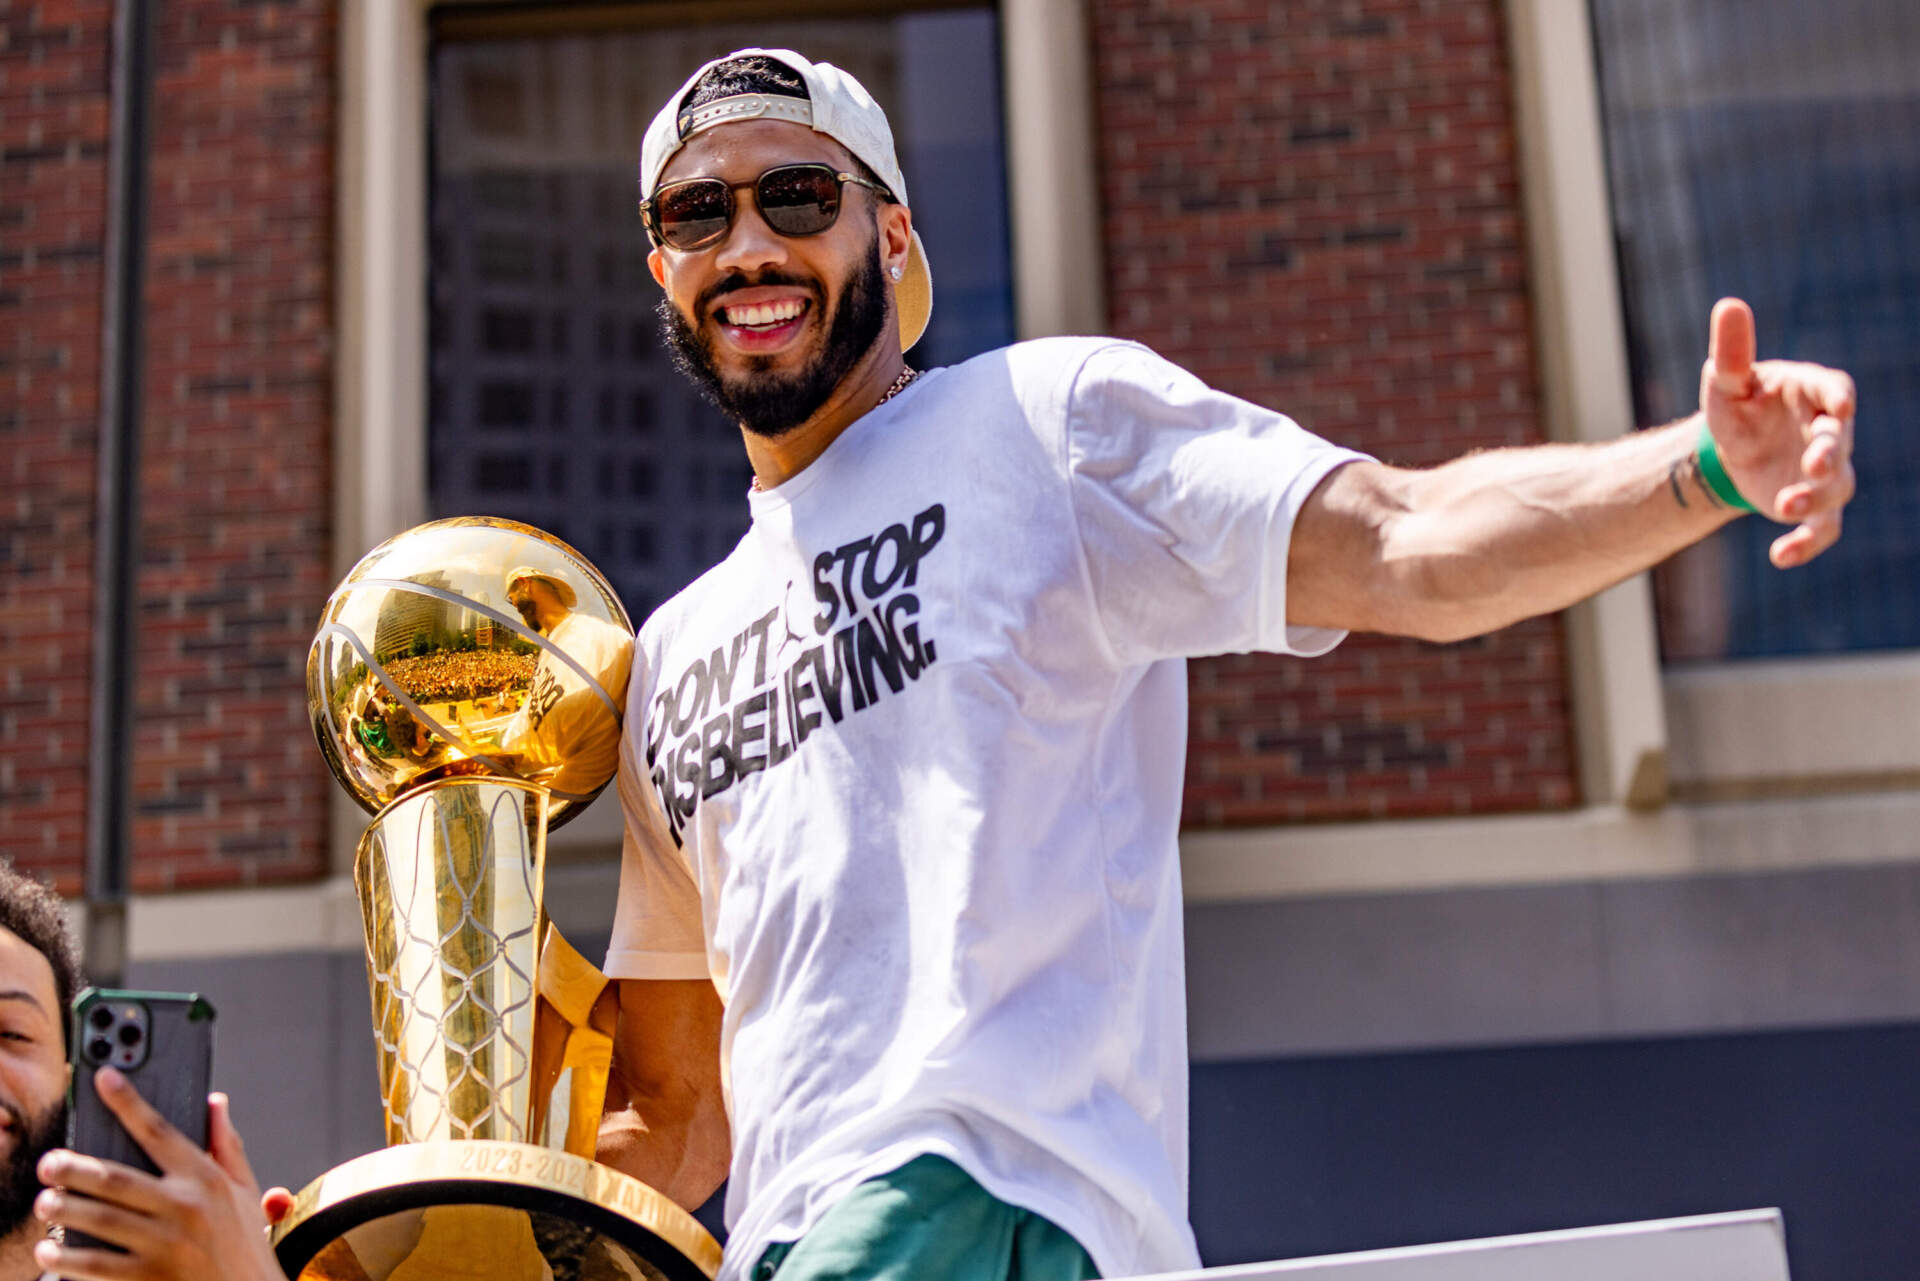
(466,686)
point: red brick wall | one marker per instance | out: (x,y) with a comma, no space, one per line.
(234,528)
(1315,205)
(53,131)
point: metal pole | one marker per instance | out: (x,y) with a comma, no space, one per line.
(116,524)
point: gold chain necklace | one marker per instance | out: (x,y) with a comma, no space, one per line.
(907,374)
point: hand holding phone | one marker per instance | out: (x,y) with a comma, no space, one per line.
(183,1213)
(160,1041)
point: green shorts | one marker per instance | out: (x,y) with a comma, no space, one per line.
(927,1221)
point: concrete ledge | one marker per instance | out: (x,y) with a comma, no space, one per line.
(1599,844)
(1794,719)
(1257,865)
(322,917)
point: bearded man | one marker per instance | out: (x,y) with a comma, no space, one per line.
(899,929)
(202,1219)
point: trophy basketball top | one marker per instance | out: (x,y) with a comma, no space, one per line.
(471,646)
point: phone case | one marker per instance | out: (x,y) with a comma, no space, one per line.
(170,1062)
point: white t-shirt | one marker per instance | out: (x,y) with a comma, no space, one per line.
(903,776)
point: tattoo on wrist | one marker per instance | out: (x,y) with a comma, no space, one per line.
(1688,470)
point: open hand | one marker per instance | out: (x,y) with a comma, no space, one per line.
(201,1219)
(1783,430)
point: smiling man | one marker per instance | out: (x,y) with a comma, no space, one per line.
(39,974)
(898,937)
(203,1220)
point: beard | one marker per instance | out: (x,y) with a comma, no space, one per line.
(34,1137)
(766,403)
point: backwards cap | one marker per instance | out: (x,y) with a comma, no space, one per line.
(836,105)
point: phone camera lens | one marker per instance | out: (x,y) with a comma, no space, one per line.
(129,1034)
(100,1049)
(102,1017)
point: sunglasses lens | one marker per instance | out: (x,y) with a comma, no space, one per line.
(692,213)
(799,200)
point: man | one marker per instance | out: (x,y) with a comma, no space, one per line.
(903,908)
(565,735)
(202,1220)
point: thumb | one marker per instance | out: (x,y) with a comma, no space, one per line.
(1730,347)
(276,1204)
(223,1141)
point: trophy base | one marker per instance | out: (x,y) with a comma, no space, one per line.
(479,1210)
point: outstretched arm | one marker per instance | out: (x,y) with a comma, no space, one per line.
(666,1120)
(1495,537)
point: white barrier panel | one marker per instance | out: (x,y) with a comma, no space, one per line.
(1749,1245)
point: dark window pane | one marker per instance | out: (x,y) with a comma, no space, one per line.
(506,332)
(506,405)
(1771,150)
(506,259)
(503,473)
(504,192)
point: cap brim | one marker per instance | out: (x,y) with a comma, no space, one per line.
(913,294)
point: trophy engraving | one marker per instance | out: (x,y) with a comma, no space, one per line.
(466,687)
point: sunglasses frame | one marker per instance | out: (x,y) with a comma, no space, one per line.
(650,207)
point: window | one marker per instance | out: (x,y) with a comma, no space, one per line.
(535,141)
(1771,150)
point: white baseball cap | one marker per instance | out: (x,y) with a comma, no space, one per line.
(836,105)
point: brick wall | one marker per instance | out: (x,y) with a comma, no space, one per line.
(1315,205)
(53,170)
(234,528)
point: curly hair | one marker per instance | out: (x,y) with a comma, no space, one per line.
(756,73)
(31,911)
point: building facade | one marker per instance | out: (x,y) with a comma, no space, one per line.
(1575,922)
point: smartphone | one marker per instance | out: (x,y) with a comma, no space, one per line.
(160,1041)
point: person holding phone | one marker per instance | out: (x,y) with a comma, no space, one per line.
(202,1219)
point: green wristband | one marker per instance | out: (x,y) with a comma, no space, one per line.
(1714,472)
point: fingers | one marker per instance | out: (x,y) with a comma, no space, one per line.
(102,1180)
(276,1204)
(224,1143)
(1829,393)
(1730,347)
(86,1265)
(96,1218)
(156,1136)
(1805,541)
(1826,447)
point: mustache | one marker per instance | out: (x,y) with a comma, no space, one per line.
(736,280)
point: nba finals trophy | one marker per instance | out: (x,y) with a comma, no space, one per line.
(466,686)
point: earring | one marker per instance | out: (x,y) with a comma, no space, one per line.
(896,273)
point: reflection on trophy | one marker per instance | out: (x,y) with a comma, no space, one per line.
(466,687)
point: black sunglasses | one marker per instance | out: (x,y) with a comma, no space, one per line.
(795,200)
